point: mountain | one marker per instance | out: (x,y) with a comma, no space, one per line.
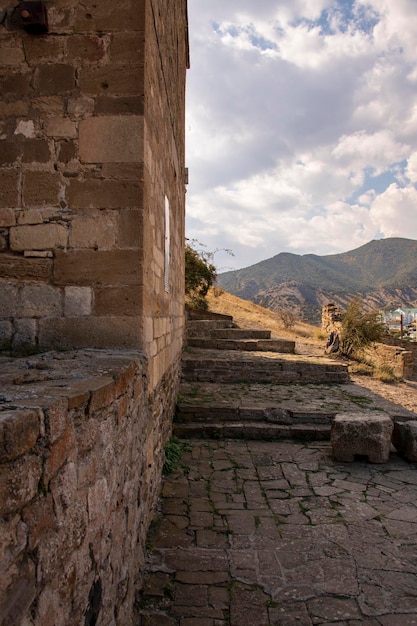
(382,272)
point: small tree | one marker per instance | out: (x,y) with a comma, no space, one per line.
(359,329)
(287,317)
(200,274)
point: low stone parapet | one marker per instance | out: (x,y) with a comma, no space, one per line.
(81,454)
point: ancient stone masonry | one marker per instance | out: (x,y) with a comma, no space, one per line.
(92,178)
(92,201)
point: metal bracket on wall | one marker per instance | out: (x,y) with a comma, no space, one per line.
(33,17)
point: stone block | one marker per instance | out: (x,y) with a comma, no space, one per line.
(111,139)
(20,268)
(404,439)
(40,300)
(19,431)
(54,78)
(97,231)
(49,105)
(41,188)
(80,107)
(61,127)
(104,194)
(20,593)
(9,180)
(126,300)
(116,105)
(39,49)
(11,51)
(25,333)
(39,517)
(126,15)
(67,151)
(35,151)
(10,151)
(8,300)
(130,233)
(78,301)
(86,48)
(104,80)
(38,237)
(12,109)
(6,332)
(121,332)
(367,434)
(101,267)
(15,86)
(19,482)
(127,47)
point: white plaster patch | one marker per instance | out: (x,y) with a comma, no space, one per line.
(26,128)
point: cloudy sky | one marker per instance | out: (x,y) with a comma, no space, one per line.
(301,125)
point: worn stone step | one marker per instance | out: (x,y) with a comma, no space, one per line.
(205,326)
(231,367)
(228,333)
(284,346)
(252,430)
(244,414)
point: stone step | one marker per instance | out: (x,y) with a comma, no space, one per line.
(229,367)
(284,346)
(205,326)
(252,430)
(271,415)
(227,333)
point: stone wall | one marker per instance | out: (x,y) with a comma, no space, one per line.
(400,360)
(92,128)
(81,452)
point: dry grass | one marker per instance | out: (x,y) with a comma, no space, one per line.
(249,315)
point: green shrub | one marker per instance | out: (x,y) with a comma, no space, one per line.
(359,329)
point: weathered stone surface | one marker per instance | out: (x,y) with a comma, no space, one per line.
(41,188)
(111,139)
(19,431)
(404,439)
(87,267)
(38,237)
(21,268)
(9,180)
(366,434)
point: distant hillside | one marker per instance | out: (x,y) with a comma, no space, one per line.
(383,273)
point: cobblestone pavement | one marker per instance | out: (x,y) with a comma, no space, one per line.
(262,533)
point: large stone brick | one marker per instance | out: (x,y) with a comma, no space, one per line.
(44,49)
(111,139)
(7,218)
(103,80)
(38,237)
(40,301)
(41,188)
(19,482)
(9,180)
(35,151)
(21,268)
(78,301)
(130,232)
(9,109)
(127,47)
(19,431)
(88,267)
(116,105)
(126,15)
(86,48)
(49,105)
(10,151)
(11,50)
(16,86)
(104,194)
(118,300)
(25,333)
(54,78)
(61,127)
(91,332)
(8,299)
(95,231)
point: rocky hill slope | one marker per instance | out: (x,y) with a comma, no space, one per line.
(383,273)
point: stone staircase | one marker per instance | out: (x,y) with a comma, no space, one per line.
(241,383)
(220,334)
(230,390)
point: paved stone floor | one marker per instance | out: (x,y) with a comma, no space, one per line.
(262,533)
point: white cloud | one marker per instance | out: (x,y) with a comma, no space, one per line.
(298,121)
